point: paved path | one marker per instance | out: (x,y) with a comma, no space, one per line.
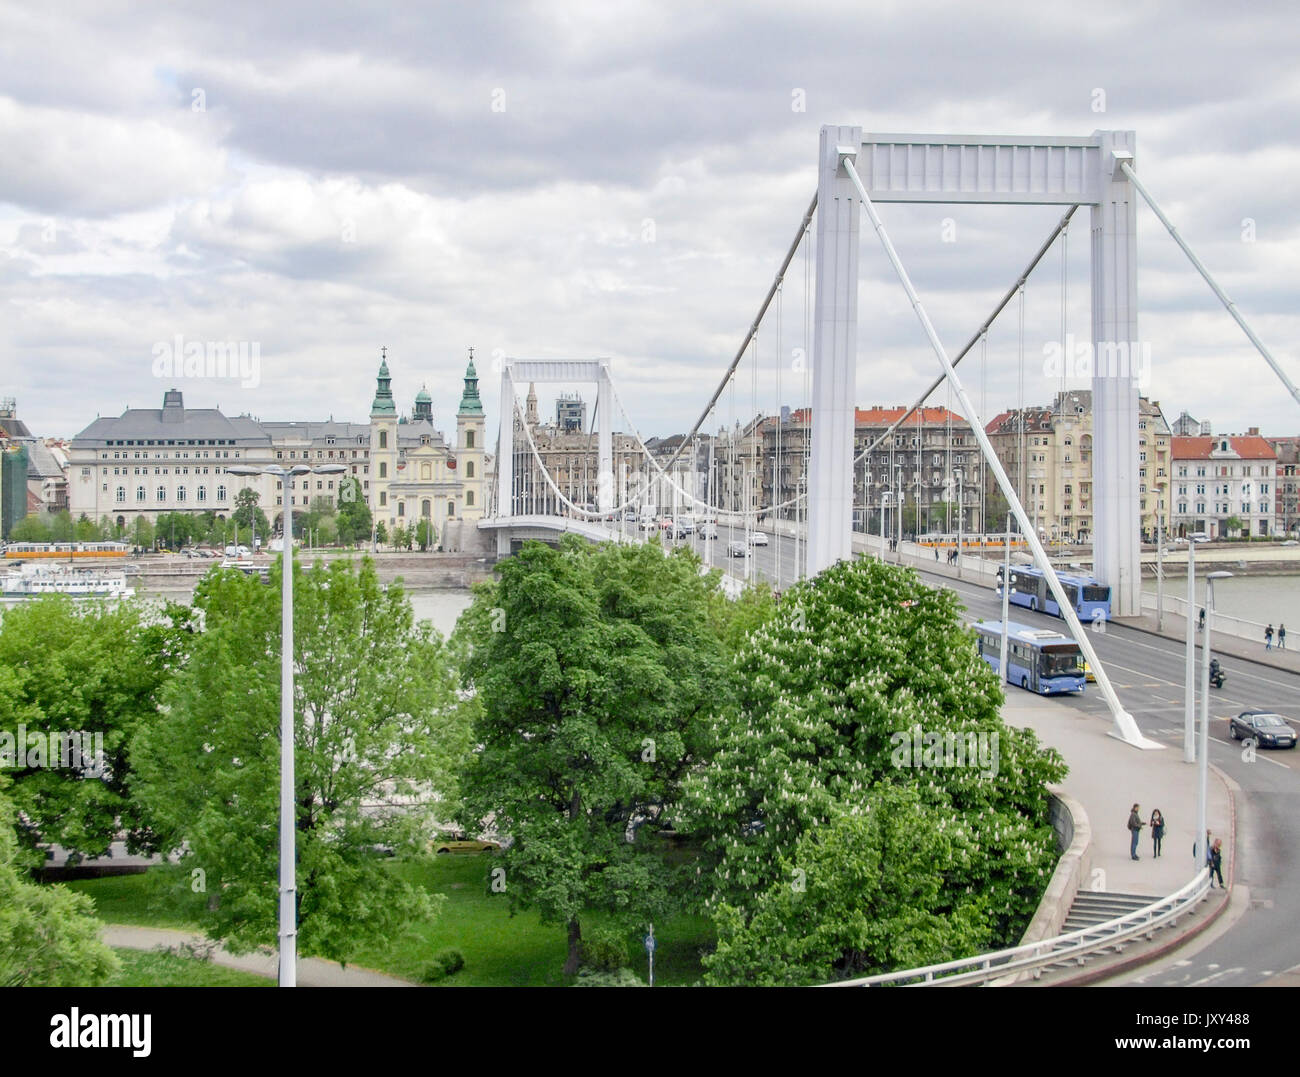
(1107,777)
(312,971)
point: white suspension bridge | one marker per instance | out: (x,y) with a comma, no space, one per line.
(856,172)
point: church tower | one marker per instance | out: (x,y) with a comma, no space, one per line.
(383,444)
(469,445)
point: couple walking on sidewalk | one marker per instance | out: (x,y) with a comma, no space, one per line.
(1135,825)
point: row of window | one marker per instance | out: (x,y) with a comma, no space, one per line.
(202,494)
(1225,507)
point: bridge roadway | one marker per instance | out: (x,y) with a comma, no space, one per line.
(1257,940)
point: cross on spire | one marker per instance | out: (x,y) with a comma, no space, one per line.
(383,354)
(471,353)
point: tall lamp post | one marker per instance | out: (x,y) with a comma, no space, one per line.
(288,821)
(1203,763)
(1189,667)
(961,524)
(884,497)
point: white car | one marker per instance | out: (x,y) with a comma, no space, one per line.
(757,538)
(707,531)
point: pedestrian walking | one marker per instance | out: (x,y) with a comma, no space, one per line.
(1281,637)
(1157,831)
(1200,624)
(1135,826)
(1216,863)
(936,555)
(1268,638)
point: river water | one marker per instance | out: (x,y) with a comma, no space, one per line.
(1264,599)
(444,607)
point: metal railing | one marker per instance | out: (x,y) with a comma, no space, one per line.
(1076,946)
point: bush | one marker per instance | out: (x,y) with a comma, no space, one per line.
(604,950)
(607,978)
(445,963)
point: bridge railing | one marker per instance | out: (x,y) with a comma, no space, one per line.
(1034,956)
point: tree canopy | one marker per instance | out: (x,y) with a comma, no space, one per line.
(593,668)
(377,731)
(854,659)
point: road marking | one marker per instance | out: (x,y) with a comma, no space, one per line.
(1214,976)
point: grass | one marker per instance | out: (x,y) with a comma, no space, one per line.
(500,950)
(146,900)
(157,968)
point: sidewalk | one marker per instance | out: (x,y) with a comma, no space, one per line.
(1107,777)
(312,971)
(1222,644)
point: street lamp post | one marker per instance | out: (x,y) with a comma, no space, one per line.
(1203,764)
(884,497)
(1189,668)
(288,820)
(1007,580)
(961,524)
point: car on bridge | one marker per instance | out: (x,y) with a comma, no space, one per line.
(737,548)
(707,531)
(757,538)
(1265,728)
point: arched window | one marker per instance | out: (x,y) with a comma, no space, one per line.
(469,469)
(180,493)
(121,494)
(139,493)
(203,493)
(383,439)
(383,470)
(469,498)
(221,493)
(401,508)
(426,508)
(162,493)
(451,509)
(469,439)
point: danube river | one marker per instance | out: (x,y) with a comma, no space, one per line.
(443,607)
(1264,599)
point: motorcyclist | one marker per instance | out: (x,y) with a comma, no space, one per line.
(1216,674)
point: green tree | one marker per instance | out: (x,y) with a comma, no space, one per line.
(85,529)
(48,934)
(1232,525)
(97,669)
(61,526)
(592,669)
(247,515)
(426,534)
(381,533)
(108,530)
(377,735)
(31,528)
(863,892)
(142,532)
(353,513)
(852,660)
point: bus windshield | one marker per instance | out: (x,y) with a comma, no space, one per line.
(1061,661)
(1096,593)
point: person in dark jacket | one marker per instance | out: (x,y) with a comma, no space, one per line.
(1268,638)
(1157,831)
(1281,637)
(1216,863)
(1135,826)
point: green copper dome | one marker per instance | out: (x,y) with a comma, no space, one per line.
(383,403)
(470,404)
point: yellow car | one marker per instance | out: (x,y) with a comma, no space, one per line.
(462,843)
(1088,674)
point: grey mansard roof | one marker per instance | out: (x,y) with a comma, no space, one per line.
(145,424)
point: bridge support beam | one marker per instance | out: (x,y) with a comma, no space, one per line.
(1119,360)
(604,438)
(835,356)
(506,460)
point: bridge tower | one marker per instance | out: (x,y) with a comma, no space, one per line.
(996,170)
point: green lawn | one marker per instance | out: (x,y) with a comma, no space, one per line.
(156,968)
(500,950)
(149,900)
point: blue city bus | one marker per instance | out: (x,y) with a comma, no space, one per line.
(1091,598)
(1038,659)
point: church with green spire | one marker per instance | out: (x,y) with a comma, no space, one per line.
(416,472)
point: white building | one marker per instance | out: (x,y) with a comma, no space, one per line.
(1220,477)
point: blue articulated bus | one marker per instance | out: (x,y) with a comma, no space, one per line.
(1090,598)
(1038,659)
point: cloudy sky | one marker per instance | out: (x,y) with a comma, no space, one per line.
(606,179)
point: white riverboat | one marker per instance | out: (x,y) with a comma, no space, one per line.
(32,581)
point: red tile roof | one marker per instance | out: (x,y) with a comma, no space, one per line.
(1248,447)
